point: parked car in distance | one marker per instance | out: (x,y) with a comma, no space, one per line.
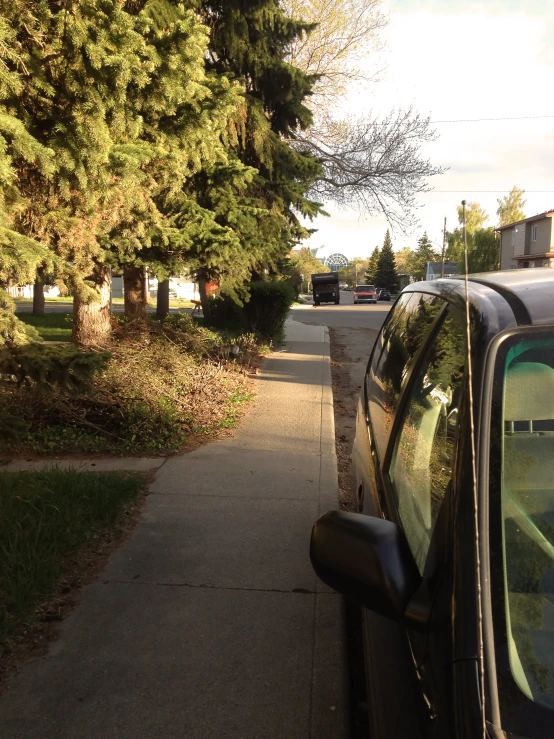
(365,294)
(452,553)
(383,293)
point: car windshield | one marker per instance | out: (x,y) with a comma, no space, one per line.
(528,514)
(365,289)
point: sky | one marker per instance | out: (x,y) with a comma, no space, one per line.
(457,60)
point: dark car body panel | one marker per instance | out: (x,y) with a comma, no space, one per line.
(429,685)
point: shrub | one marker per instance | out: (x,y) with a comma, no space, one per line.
(268,307)
(263,313)
(166,382)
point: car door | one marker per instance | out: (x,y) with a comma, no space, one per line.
(414,392)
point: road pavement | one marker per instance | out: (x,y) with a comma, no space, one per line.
(345,315)
(209,623)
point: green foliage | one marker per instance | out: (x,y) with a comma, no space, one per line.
(304,264)
(52,326)
(386,275)
(510,207)
(355,271)
(373,267)
(423,254)
(404,260)
(483,248)
(476,217)
(250,42)
(263,312)
(46,520)
(13,332)
(266,311)
(44,367)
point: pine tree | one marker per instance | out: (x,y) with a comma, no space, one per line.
(249,42)
(386,275)
(371,274)
(423,254)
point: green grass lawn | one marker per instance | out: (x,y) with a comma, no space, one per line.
(48,522)
(173,302)
(56,299)
(51,326)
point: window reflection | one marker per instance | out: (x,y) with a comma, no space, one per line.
(393,359)
(423,460)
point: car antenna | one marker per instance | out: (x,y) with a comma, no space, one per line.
(474,474)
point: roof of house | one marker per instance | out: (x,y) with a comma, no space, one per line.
(435,268)
(546,214)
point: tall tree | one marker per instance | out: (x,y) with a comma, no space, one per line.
(510,207)
(423,254)
(404,260)
(373,267)
(249,42)
(482,242)
(387,275)
(476,217)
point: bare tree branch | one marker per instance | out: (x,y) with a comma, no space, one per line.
(374,164)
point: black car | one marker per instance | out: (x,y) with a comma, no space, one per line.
(383,293)
(452,553)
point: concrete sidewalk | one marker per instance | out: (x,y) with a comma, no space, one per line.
(209,622)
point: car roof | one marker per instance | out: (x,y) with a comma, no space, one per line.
(512,297)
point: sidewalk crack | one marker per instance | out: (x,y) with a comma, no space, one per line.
(207,586)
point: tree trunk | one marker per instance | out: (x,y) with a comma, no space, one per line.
(134,292)
(162,301)
(204,299)
(92,321)
(38,293)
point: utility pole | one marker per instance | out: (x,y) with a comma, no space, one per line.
(443,246)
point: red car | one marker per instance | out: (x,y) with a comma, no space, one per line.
(365,294)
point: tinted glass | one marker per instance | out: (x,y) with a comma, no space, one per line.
(393,358)
(528,515)
(365,289)
(423,459)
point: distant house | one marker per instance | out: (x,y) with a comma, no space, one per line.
(527,243)
(434,270)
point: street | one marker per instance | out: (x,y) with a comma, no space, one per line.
(345,315)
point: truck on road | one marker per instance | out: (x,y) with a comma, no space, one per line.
(325,288)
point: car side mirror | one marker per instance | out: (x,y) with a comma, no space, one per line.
(367,559)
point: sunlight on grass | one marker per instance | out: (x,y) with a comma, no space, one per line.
(51,327)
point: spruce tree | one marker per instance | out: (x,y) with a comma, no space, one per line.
(249,43)
(423,254)
(386,275)
(373,266)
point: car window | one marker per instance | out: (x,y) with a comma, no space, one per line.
(365,289)
(393,358)
(528,515)
(422,463)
